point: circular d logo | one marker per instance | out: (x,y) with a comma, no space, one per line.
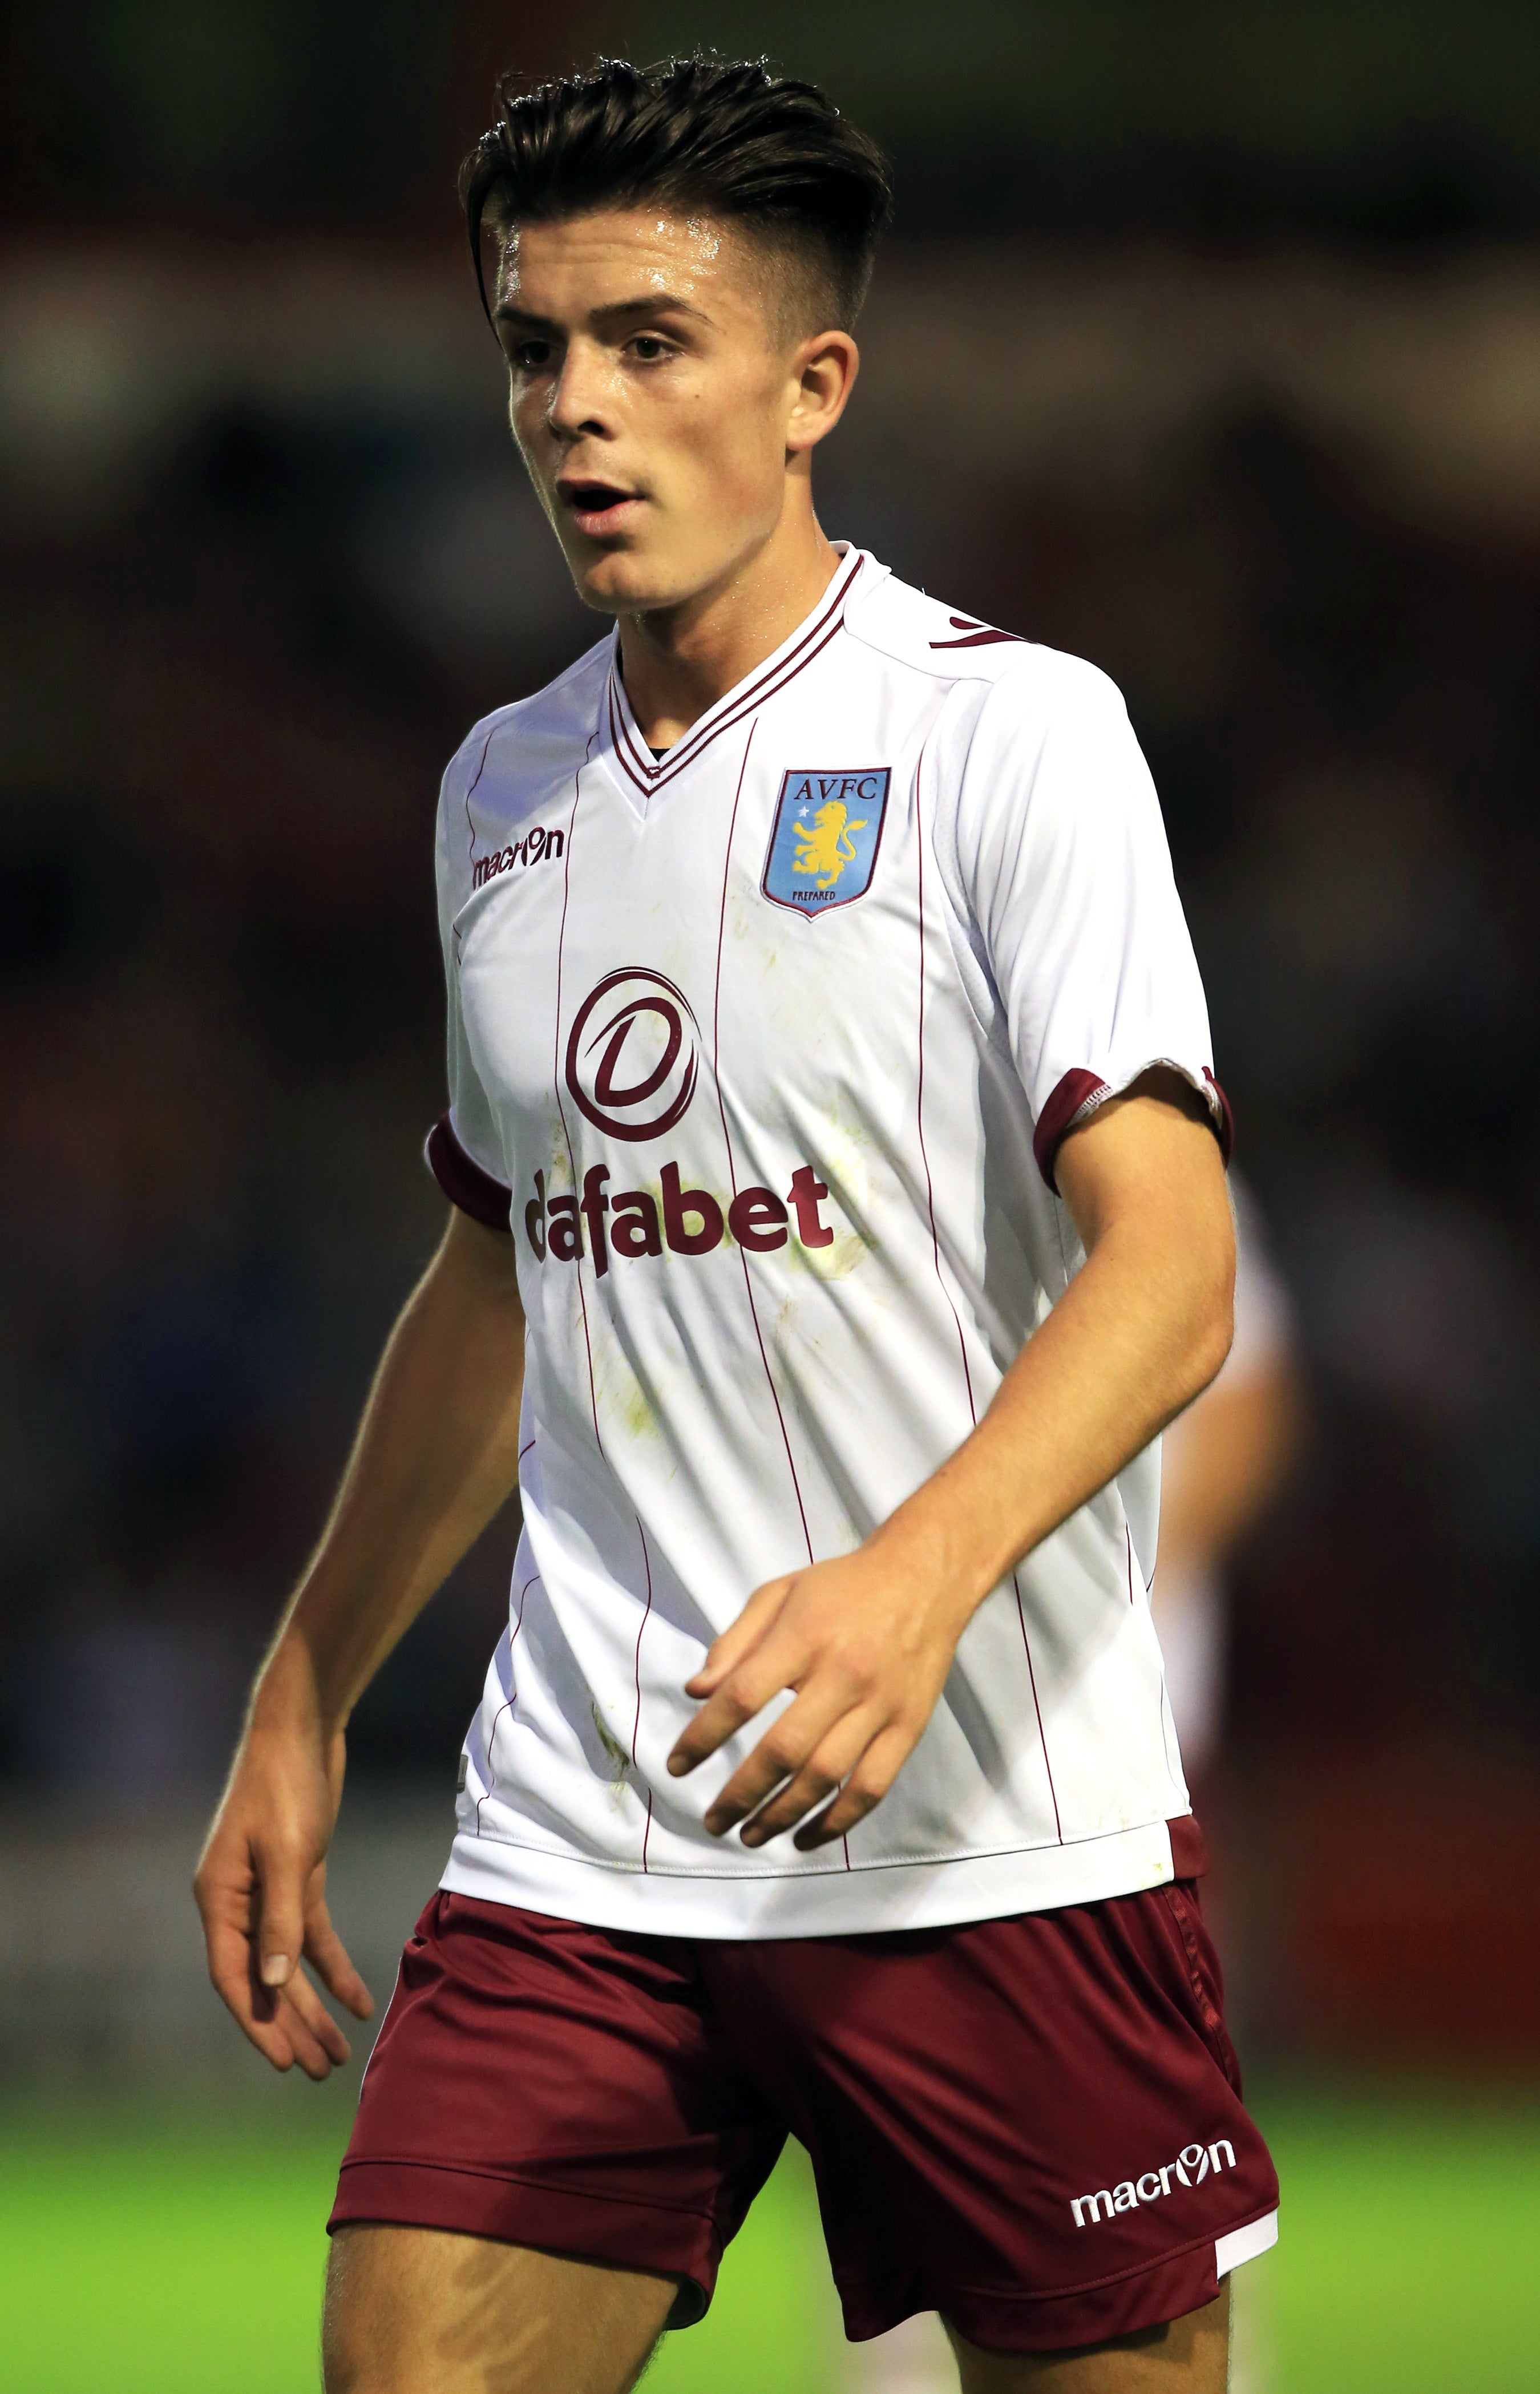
(633,1055)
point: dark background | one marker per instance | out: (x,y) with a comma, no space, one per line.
(1208,345)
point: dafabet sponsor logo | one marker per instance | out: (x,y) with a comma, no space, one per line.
(631,1068)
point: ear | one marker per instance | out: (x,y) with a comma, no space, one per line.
(823,376)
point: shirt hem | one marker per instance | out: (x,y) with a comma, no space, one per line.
(867,1900)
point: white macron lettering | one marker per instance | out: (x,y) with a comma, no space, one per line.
(1192,2166)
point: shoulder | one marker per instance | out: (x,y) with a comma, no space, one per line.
(509,760)
(1047,753)
(1047,700)
(911,628)
(1009,678)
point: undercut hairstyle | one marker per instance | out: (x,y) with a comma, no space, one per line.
(704,136)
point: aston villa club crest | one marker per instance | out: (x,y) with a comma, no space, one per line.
(823,846)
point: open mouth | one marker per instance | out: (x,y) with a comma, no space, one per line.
(596,507)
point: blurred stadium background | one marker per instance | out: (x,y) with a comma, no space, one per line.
(1208,344)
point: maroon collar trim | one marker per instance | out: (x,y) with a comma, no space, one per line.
(649,773)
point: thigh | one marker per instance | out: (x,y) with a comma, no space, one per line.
(409,2309)
(1032,2125)
(1183,2356)
(544,2085)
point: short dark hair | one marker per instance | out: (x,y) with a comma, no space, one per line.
(724,136)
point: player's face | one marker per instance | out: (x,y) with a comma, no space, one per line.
(656,396)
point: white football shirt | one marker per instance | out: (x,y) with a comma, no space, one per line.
(765,1050)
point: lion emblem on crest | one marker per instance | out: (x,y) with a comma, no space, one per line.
(828,846)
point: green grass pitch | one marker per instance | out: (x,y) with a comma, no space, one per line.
(181,2254)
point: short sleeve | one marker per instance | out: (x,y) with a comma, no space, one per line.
(464,1152)
(1062,862)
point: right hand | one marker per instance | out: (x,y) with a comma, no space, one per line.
(260,1886)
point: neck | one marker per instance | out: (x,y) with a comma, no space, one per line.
(679,661)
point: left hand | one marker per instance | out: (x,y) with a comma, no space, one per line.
(866,1641)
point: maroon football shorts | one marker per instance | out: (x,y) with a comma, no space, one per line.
(1032,2125)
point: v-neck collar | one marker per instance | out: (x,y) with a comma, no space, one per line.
(635,759)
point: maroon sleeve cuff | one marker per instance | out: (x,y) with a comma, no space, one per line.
(1189,1853)
(1076,1090)
(463,1180)
(1080,1089)
(1224,1128)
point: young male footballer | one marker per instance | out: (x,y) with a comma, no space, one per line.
(837,1213)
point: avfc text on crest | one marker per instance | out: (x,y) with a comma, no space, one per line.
(824,842)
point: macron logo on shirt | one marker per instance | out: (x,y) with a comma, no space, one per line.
(631,1068)
(529,850)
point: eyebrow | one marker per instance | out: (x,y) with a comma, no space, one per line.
(651,303)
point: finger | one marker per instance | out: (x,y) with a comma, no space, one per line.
(317,2032)
(332,1964)
(778,1664)
(818,1779)
(865,1789)
(728,1650)
(306,2048)
(780,1753)
(280,1902)
(228,1892)
(272,2041)
(229,1966)
(287,2035)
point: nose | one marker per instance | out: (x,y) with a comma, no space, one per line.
(578,402)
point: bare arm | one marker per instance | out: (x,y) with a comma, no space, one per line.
(867,1640)
(435,1456)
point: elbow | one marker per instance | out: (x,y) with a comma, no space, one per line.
(1213,1344)
(1213,1318)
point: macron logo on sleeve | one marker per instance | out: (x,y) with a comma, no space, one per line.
(1192,2166)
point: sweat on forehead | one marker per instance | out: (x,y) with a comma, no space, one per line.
(669,247)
